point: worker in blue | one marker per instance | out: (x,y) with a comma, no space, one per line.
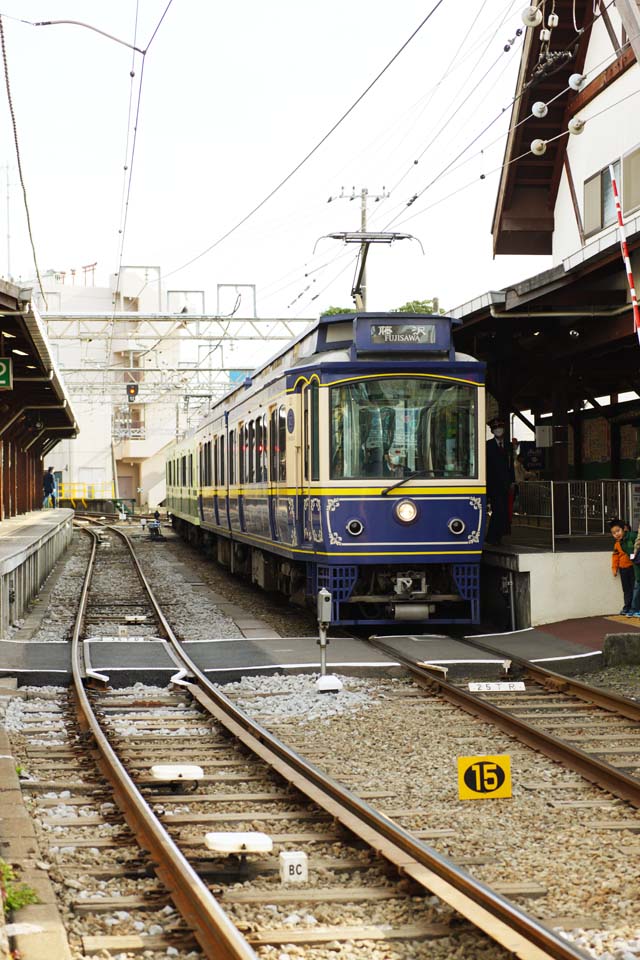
(500,479)
(49,488)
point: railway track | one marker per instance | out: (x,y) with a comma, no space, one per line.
(590,730)
(357,855)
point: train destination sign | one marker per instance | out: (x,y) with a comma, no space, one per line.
(382,333)
(405,333)
(484,777)
(6,373)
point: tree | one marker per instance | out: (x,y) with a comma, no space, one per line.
(420,306)
(332,311)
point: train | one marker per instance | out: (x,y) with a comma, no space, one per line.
(354,460)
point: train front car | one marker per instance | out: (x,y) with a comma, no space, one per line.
(393,489)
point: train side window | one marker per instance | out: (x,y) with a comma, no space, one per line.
(222,465)
(282,443)
(242,447)
(315,431)
(259,445)
(215,462)
(305,427)
(232,456)
(190,469)
(273,447)
(265,445)
(200,465)
(183,471)
(250,451)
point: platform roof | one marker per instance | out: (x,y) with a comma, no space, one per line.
(571,325)
(38,401)
(523,220)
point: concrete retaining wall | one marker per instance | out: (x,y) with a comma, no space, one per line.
(29,548)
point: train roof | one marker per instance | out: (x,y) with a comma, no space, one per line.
(351,336)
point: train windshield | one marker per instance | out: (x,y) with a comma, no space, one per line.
(391,427)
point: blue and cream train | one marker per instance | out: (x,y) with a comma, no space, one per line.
(352,460)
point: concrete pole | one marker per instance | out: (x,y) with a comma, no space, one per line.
(363,227)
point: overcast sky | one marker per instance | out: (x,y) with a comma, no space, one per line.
(233,97)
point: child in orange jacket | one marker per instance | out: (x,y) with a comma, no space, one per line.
(621,562)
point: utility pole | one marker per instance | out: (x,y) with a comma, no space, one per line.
(364,196)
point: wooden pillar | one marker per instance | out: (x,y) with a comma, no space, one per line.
(560,456)
(615,450)
(577,446)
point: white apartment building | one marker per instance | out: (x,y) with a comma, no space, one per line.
(142,365)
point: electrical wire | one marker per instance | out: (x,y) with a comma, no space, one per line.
(311,152)
(447,167)
(19,161)
(129,168)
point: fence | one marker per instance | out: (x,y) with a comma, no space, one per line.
(86,491)
(546,511)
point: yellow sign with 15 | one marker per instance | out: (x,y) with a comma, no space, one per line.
(484,778)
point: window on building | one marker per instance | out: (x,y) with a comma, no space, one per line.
(599,204)
(631,181)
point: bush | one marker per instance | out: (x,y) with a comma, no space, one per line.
(14,895)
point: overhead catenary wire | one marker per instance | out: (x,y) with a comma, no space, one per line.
(19,160)
(310,153)
(447,167)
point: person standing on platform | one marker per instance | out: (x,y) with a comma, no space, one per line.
(621,562)
(500,478)
(49,488)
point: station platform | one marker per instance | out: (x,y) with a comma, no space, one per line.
(566,647)
(30,544)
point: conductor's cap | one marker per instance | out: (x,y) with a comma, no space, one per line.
(496,422)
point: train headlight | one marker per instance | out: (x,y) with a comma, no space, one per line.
(457,526)
(355,527)
(406,511)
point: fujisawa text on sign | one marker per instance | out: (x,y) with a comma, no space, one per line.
(484,777)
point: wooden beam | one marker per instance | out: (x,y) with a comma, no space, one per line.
(606,19)
(602,81)
(574,198)
(630,15)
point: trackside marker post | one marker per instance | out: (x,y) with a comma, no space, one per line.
(484,777)
(326,683)
(294,866)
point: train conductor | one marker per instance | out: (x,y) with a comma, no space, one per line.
(500,477)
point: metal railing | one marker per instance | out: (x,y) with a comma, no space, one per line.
(86,491)
(549,510)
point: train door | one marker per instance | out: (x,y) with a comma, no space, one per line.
(281,511)
(216,481)
(311,514)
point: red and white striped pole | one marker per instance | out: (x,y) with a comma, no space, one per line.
(625,253)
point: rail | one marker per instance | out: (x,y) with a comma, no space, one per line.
(500,919)
(218,937)
(590,767)
(548,511)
